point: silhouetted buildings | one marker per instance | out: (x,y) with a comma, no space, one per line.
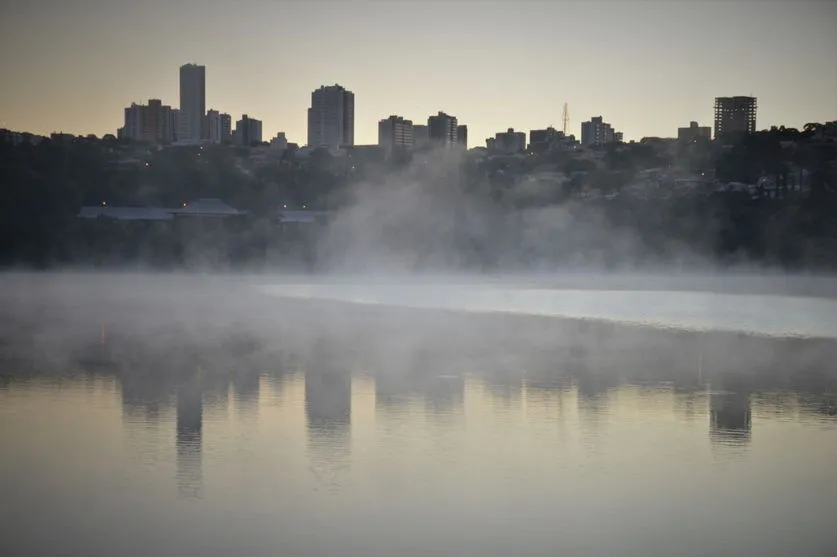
(598,132)
(421,136)
(218,127)
(154,122)
(192,103)
(734,116)
(549,139)
(442,129)
(247,131)
(279,141)
(462,135)
(395,133)
(509,141)
(331,118)
(694,133)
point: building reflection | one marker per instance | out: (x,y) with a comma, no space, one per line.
(189,438)
(144,395)
(444,395)
(730,414)
(328,409)
(246,384)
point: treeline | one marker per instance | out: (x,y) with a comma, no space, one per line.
(543,208)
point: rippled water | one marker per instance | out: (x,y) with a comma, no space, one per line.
(143,416)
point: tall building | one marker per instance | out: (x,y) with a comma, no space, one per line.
(462,135)
(331,118)
(598,132)
(192,103)
(694,133)
(421,136)
(734,115)
(218,127)
(248,131)
(395,133)
(153,122)
(442,129)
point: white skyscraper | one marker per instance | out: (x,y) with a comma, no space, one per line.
(192,103)
(331,118)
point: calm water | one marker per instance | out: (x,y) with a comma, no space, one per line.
(192,416)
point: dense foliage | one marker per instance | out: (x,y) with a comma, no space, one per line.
(768,198)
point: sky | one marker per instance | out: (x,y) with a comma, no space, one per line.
(646,67)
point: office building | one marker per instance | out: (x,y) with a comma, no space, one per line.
(331,118)
(395,133)
(192,103)
(735,116)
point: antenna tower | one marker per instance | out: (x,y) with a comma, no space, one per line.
(566,118)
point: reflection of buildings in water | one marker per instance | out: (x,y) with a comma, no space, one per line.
(592,386)
(328,400)
(246,389)
(392,391)
(545,395)
(729,417)
(190,439)
(144,395)
(444,395)
(504,388)
(216,391)
(328,404)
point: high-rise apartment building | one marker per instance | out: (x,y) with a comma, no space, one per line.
(192,103)
(331,118)
(421,136)
(598,132)
(248,131)
(735,116)
(462,135)
(442,129)
(154,122)
(395,133)
(218,127)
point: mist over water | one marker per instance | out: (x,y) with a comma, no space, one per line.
(395,413)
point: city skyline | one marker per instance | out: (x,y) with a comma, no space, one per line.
(642,87)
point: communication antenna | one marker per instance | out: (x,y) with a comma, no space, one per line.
(566,118)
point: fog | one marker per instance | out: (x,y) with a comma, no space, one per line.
(423,260)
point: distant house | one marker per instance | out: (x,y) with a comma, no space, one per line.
(207,207)
(125,213)
(203,208)
(302,216)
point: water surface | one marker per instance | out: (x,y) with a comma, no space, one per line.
(143,416)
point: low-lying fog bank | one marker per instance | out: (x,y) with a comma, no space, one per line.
(171,322)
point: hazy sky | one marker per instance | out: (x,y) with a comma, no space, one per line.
(647,67)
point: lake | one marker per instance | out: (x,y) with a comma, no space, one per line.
(202,415)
